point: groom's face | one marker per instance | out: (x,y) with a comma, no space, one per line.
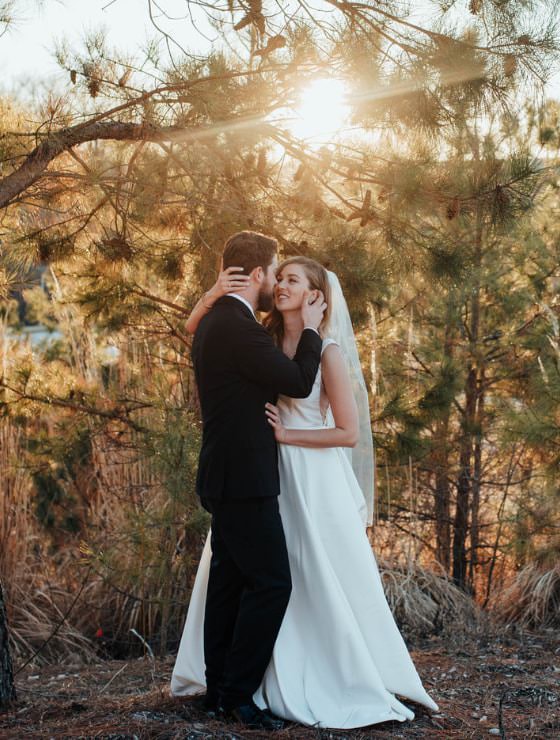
(266,292)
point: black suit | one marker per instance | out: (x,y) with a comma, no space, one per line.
(238,369)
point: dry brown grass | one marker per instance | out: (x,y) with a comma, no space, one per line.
(142,538)
(36,609)
(16,528)
(532,599)
(37,594)
(425,602)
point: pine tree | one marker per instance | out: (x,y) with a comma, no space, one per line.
(473,296)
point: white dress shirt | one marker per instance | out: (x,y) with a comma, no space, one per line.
(243,300)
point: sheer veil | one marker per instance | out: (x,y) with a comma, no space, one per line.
(361,456)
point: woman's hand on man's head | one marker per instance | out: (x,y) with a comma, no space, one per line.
(230,280)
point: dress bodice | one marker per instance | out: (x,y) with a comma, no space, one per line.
(312,412)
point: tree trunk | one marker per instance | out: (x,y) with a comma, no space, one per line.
(442,509)
(464,482)
(7,686)
(461,523)
(475,498)
(442,492)
(470,431)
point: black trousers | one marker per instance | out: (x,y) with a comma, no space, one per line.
(248,592)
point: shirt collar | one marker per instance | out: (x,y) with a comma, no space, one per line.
(243,300)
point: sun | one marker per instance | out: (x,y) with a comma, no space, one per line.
(322,110)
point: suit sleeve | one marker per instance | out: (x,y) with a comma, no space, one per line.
(260,361)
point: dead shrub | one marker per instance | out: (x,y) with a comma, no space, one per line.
(532,599)
(424,602)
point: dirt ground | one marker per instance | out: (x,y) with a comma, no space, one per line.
(503,686)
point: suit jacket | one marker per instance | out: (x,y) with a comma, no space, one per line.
(238,369)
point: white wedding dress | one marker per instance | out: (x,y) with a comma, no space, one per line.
(339,658)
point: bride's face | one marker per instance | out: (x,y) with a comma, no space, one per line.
(291,283)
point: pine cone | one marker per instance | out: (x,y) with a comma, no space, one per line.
(383,194)
(94,86)
(510,64)
(125,77)
(117,248)
(243,23)
(453,208)
(275,42)
(45,251)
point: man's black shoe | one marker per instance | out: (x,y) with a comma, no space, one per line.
(253,718)
(207,703)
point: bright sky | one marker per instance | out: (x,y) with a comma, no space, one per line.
(26,51)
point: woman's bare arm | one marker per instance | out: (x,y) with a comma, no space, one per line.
(228,282)
(341,399)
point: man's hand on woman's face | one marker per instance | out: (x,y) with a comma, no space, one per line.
(313,308)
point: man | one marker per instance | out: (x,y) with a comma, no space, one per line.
(238,370)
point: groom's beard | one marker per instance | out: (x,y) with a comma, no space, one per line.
(265,300)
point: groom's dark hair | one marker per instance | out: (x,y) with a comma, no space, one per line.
(249,249)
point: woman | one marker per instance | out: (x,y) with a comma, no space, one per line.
(339,657)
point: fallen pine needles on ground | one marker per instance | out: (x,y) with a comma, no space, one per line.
(503,685)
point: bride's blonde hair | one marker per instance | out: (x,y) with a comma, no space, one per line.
(318,280)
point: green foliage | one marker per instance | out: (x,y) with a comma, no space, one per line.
(361,269)
(448,261)
(439,397)
(60,463)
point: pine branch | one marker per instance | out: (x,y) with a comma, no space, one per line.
(157,299)
(38,160)
(115,415)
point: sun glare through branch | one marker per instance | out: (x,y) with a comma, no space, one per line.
(322,110)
